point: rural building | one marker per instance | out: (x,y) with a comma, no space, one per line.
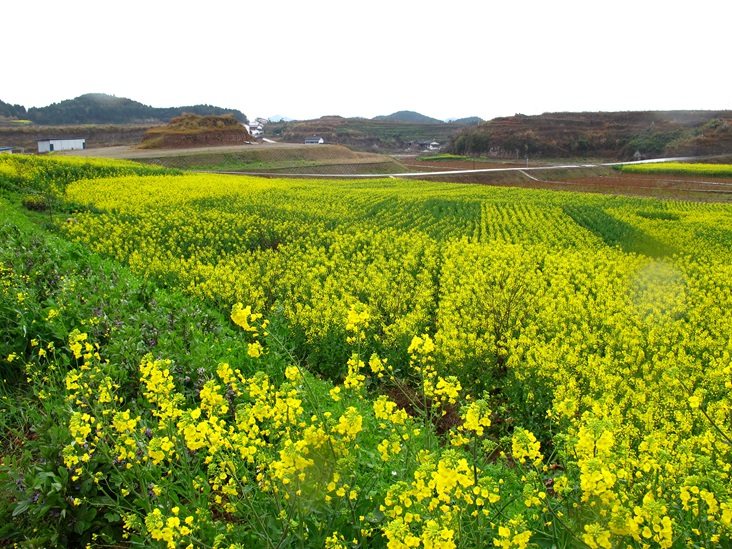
(424,145)
(61,144)
(8,150)
(314,140)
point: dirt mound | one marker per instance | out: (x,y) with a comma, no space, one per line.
(191,130)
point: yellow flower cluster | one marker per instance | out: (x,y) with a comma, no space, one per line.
(525,447)
(444,390)
(170,530)
(428,509)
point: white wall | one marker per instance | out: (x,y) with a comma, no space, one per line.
(47,145)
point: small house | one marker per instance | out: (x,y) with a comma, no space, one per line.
(314,140)
(61,144)
(7,150)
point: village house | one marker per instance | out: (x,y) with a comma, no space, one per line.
(7,150)
(314,140)
(424,145)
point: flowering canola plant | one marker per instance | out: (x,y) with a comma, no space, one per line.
(462,367)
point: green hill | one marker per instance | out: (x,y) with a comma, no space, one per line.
(100,108)
(469,121)
(409,116)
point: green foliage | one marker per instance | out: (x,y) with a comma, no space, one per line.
(12,111)
(653,142)
(471,141)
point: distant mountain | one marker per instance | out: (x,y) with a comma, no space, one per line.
(469,121)
(100,108)
(409,116)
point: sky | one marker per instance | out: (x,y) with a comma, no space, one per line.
(308,58)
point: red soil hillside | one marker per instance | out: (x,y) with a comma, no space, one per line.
(599,134)
(191,130)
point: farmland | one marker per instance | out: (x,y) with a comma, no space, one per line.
(232,361)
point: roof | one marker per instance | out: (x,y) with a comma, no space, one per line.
(62,139)
(6,148)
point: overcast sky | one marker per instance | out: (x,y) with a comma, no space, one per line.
(305,59)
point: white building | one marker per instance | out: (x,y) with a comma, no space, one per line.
(314,140)
(8,150)
(61,144)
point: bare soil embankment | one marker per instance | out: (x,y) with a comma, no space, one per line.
(265,158)
(27,137)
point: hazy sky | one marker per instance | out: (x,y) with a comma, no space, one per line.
(309,58)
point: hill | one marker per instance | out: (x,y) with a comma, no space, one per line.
(100,108)
(469,121)
(409,116)
(190,130)
(622,135)
(364,134)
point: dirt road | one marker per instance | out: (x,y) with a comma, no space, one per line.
(133,153)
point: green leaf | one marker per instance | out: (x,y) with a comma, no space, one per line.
(112,517)
(22,507)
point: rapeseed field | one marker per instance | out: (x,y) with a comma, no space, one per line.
(217,361)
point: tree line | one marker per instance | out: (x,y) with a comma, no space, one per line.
(97,108)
